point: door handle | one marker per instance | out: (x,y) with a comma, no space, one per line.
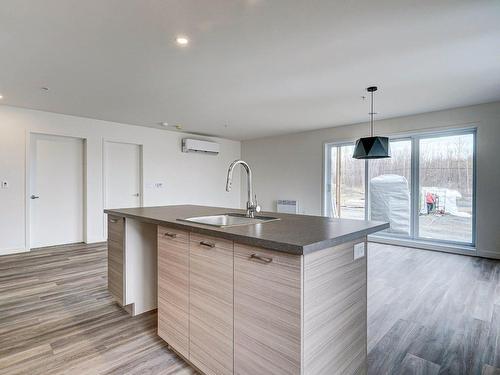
(136,194)
(34,197)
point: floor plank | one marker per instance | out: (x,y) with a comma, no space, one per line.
(490,370)
(428,313)
(413,365)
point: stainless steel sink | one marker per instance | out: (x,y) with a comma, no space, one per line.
(229,220)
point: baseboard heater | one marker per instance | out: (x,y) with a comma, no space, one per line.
(287,206)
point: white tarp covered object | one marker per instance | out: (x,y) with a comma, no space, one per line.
(390,202)
(447,200)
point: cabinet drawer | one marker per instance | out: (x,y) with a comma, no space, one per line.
(173,288)
(199,241)
(211,304)
(267,311)
(173,235)
(116,258)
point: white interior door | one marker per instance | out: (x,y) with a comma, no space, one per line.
(56,196)
(123,175)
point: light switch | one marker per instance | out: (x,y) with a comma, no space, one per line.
(359,250)
(155,185)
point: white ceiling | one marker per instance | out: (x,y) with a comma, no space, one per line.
(253,68)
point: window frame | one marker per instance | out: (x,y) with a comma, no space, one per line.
(416,156)
(415,138)
(326,188)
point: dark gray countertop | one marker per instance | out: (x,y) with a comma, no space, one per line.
(295,234)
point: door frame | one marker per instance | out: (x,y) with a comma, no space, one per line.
(105,176)
(27,185)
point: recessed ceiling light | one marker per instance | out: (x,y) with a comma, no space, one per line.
(1,96)
(164,123)
(182,40)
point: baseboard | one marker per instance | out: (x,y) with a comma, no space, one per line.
(488,254)
(12,251)
(95,240)
(461,250)
(453,249)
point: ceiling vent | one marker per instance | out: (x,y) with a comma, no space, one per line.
(196,145)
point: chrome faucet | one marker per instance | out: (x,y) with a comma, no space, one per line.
(252,206)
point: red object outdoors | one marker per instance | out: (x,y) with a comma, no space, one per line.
(429,198)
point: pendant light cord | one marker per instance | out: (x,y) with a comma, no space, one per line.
(371,116)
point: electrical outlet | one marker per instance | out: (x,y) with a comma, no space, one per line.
(5,184)
(359,250)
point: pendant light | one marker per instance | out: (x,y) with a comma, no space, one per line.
(372,147)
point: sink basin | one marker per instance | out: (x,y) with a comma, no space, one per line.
(229,220)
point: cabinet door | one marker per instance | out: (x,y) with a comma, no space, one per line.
(173,288)
(267,311)
(211,304)
(116,258)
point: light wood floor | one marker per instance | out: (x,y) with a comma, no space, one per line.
(57,317)
(432,313)
(429,313)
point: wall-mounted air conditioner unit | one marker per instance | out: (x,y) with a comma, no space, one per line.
(196,145)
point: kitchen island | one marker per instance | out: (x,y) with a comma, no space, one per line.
(286,296)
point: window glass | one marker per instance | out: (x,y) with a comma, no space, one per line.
(390,188)
(445,199)
(347,184)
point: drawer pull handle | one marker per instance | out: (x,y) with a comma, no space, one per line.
(207,244)
(260,258)
(171,235)
(114,220)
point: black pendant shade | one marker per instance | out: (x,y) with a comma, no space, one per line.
(372,147)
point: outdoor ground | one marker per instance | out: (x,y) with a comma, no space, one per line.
(433,226)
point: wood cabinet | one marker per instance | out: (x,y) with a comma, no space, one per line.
(116,258)
(334,313)
(267,311)
(195,298)
(230,308)
(173,288)
(211,304)
(132,248)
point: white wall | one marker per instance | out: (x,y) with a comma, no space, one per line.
(291,166)
(189,178)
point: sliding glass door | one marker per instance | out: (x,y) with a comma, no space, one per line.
(446,188)
(425,190)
